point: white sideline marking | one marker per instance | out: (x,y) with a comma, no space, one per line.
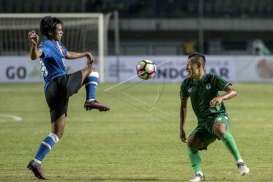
(9,116)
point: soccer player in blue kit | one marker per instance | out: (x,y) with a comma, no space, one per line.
(59,85)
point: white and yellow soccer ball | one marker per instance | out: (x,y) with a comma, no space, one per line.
(146,69)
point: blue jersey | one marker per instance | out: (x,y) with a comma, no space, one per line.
(52,60)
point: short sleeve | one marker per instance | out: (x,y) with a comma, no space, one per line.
(183,90)
(220,83)
(45,51)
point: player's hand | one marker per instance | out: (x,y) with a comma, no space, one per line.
(33,38)
(90,57)
(183,136)
(216,101)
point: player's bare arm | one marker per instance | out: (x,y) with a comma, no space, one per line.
(229,93)
(183,112)
(76,55)
(34,41)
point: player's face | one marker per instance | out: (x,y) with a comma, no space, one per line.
(193,69)
(58,34)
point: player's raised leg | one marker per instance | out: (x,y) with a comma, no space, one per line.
(90,79)
(220,129)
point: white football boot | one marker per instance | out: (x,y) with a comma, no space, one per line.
(199,176)
(244,170)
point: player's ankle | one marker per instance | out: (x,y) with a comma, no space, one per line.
(240,161)
(199,172)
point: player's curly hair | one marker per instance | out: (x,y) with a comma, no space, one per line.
(48,25)
(198,58)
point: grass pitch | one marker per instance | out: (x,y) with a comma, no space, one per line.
(137,141)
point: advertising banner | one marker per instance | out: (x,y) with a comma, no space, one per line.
(22,69)
(255,69)
(169,68)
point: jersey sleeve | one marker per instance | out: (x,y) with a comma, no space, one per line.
(220,83)
(45,51)
(183,90)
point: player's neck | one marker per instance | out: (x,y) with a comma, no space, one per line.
(52,38)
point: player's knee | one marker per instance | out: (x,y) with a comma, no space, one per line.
(94,74)
(89,69)
(219,130)
(192,144)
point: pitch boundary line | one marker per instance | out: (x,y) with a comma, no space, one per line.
(6,117)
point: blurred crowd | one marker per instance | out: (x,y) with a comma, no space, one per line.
(144,8)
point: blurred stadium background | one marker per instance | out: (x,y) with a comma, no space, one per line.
(138,140)
(171,27)
(233,30)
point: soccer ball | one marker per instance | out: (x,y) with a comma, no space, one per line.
(146,69)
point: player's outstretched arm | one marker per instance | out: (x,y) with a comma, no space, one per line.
(33,38)
(75,55)
(183,113)
(229,93)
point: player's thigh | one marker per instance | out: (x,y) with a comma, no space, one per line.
(86,72)
(56,99)
(200,138)
(52,94)
(59,108)
(73,83)
(221,124)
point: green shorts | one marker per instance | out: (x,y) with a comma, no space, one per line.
(204,130)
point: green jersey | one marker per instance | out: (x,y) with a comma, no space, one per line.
(202,92)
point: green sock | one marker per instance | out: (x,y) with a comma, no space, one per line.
(195,159)
(231,145)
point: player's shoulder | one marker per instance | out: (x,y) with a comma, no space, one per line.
(45,43)
(214,79)
(209,77)
(46,47)
(186,81)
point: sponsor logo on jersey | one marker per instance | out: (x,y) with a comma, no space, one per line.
(208,86)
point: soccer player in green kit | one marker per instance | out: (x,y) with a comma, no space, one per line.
(207,104)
